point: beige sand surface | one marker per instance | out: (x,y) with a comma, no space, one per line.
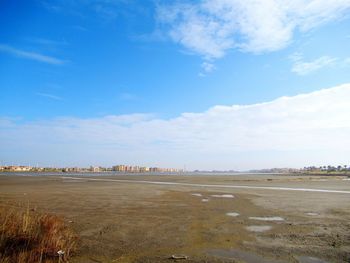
(141,222)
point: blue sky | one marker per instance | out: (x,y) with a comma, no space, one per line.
(107,64)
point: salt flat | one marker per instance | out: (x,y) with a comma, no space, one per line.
(148,218)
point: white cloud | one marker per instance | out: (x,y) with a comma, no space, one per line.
(302,68)
(347,61)
(302,130)
(126,96)
(208,67)
(212,27)
(30,55)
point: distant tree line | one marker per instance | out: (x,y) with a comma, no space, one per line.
(327,168)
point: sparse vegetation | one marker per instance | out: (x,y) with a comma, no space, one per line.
(27,236)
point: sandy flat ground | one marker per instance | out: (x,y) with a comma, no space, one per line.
(132,219)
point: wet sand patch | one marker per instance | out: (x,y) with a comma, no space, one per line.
(306,259)
(240,255)
(73,181)
(319,180)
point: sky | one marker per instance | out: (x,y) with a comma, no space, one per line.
(207,84)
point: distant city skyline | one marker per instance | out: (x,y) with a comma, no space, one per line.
(116,168)
(210,84)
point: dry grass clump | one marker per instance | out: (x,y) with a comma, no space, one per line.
(26,236)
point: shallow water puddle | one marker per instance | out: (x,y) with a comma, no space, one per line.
(205,200)
(240,255)
(267,218)
(234,214)
(196,194)
(223,196)
(258,228)
(312,214)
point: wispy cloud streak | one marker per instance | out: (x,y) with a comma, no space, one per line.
(49,42)
(30,55)
(303,68)
(50,96)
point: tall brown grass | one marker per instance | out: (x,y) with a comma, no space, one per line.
(28,237)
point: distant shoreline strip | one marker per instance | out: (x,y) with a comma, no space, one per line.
(212,185)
